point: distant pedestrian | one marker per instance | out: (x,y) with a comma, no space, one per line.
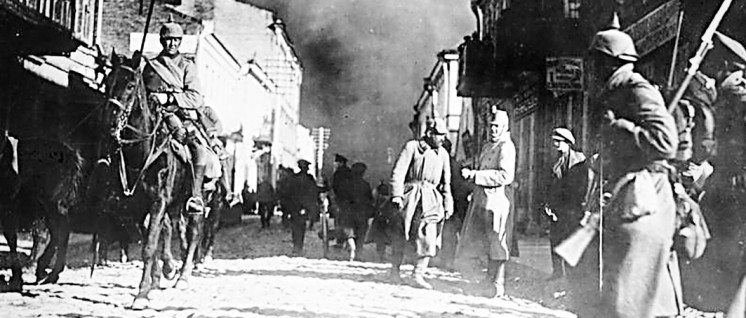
(377,233)
(302,203)
(340,187)
(285,175)
(565,194)
(421,184)
(488,224)
(265,196)
(354,220)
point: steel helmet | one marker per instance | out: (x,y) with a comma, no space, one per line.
(171,30)
(613,42)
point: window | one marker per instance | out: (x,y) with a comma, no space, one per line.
(572,9)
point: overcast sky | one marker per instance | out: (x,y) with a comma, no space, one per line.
(364,61)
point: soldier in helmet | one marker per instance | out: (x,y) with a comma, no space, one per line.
(637,135)
(171,79)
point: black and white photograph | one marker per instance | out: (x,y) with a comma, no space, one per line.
(373,158)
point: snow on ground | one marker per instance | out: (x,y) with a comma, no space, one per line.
(252,277)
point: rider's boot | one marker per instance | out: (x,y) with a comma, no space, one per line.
(196,203)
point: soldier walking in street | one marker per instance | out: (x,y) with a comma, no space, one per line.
(302,204)
(637,135)
(421,188)
(488,227)
(565,194)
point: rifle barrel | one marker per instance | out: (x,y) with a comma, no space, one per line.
(696,60)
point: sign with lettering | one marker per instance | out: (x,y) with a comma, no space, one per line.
(656,28)
(564,74)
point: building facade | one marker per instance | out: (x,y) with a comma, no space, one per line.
(439,99)
(530,58)
(51,69)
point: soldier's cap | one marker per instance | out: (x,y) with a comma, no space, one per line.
(171,30)
(303,163)
(563,134)
(439,127)
(615,43)
(339,158)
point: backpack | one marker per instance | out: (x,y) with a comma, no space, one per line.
(692,233)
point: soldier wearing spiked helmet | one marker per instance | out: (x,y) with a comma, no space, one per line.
(637,136)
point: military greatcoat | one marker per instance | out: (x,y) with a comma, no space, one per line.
(639,222)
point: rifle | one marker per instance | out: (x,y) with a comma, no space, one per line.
(696,60)
(572,248)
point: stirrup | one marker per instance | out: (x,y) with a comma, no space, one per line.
(195,205)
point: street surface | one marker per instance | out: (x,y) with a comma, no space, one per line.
(251,277)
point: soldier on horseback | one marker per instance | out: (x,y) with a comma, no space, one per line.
(171,79)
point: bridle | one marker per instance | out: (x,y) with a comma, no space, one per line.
(155,149)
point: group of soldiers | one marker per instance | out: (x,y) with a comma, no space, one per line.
(637,139)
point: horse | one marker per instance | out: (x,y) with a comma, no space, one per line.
(148,162)
(216,203)
(41,179)
(119,218)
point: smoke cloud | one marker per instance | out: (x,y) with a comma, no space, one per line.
(363,62)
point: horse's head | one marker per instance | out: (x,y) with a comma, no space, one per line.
(123,87)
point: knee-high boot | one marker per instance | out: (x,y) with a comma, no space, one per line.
(196,203)
(419,271)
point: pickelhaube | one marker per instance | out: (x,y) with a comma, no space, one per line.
(171,30)
(615,43)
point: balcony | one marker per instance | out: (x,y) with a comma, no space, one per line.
(48,26)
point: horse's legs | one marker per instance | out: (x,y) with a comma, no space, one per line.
(182,224)
(167,256)
(148,254)
(10,225)
(60,236)
(209,239)
(40,239)
(195,222)
(46,257)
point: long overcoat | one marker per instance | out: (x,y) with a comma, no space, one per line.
(487,227)
(422,178)
(639,221)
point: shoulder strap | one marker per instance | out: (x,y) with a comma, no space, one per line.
(165,73)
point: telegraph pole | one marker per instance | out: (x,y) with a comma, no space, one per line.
(321,140)
(320,137)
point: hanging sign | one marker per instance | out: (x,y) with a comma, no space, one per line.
(564,74)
